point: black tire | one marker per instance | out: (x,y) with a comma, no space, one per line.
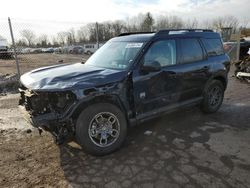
(211,104)
(88,119)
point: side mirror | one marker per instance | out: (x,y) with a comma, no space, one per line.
(153,66)
(83,61)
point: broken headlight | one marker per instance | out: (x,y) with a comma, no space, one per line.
(61,100)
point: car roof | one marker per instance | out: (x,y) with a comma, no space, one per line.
(170,33)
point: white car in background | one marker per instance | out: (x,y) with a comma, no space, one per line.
(91,48)
(4,50)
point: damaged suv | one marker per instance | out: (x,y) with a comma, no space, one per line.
(132,78)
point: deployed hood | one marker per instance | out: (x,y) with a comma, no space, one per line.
(70,76)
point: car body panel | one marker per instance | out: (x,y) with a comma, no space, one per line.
(68,77)
(156,89)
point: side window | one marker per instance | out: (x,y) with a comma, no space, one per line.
(163,52)
(213,46)
(191,50)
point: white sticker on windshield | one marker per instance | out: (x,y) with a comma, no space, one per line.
(134,45)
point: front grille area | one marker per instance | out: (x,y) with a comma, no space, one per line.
(38,104)
(45,102)
(35,103)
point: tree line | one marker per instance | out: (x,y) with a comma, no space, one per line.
(109,29)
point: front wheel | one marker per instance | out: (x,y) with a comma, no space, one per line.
(212,97)
(101,128)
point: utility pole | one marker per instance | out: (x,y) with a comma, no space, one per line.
(14,47)
(97,35)
(238,46)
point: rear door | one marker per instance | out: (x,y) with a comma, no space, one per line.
(195,68)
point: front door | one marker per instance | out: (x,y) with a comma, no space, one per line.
(156,89)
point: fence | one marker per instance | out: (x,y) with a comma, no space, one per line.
(41,44)
(231,41)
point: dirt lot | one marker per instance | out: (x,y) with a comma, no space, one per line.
(32,61)
(182,149)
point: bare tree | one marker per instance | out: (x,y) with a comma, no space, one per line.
(61,37)
(28,35)
(133,24)
(244,22)
(71,39)
(105,31)
(226,21)
(43,40)
(55,42)
(161,23)
(169,22)
(118,27)
(82,34)
(207,24)
(191,24)
(21,43)
(91,32)
(140,22)
(175,22)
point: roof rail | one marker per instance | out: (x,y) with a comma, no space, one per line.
(132,33)
(167,31)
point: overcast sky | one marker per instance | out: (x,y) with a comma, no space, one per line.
(52,16)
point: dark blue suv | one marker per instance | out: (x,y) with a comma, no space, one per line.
(132,78)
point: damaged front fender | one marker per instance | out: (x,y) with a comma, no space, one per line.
(63,106)
(119,94)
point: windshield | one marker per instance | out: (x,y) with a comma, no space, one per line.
(115,55)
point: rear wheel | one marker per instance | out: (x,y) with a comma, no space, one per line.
(101,129)
(213,97)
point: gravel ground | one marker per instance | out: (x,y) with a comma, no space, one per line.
(183,149)
(29,62)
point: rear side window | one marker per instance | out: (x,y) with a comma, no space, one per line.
(213,46)
(191,50)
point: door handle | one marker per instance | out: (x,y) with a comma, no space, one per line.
(202,69)
(205,68)
(171,72)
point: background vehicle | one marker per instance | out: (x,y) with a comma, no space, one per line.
(91,48)
(36,50)
(48,50)
(132,78)
(4,51)
(244,48)
(76,50)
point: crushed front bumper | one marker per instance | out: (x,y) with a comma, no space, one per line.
(40,110)
(38,121)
